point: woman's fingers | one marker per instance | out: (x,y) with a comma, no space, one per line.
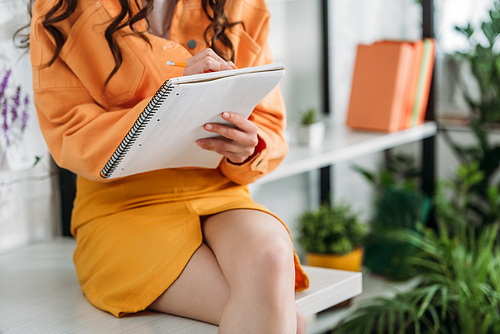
(244,132)
(236,143)
(206,61)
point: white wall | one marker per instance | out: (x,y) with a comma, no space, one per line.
(27,199)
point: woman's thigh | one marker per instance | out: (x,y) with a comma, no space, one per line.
(200,292)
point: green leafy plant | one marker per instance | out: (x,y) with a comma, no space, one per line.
(457,267)
(483,59)
(398,204)
(309,116)
(459,292)
(332,229)
(399,172)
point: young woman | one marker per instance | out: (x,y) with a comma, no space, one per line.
(189,242)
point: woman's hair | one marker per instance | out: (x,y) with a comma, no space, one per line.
(216,30)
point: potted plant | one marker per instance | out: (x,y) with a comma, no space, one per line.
(456,267)
(332,237)
(311,129)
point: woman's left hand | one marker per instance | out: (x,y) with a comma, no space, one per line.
(236,144)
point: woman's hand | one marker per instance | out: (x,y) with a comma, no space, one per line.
(207,61)
(237,144)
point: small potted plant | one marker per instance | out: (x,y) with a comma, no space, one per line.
(332,237)
(311,129)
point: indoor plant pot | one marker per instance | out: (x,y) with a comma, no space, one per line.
(332,237)
(351,261)
(310,130)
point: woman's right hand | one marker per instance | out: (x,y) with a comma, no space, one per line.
(207,61)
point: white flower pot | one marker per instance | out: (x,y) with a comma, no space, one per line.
(311,135)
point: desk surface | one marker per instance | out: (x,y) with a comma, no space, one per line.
(39,293)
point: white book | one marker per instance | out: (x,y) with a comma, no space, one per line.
(165,133)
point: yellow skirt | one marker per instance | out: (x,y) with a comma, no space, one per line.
(135,235)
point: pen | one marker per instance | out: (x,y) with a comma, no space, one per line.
(176,63)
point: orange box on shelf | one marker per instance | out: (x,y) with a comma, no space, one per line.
(379,86)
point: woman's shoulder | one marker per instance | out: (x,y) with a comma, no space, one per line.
(249,5)
(251,12)
(42,7)
(258,4)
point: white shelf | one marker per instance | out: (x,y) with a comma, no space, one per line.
(327,287)
(341,144)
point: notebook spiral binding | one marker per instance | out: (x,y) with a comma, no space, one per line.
(134,132)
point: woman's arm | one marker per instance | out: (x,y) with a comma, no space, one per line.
(82,122)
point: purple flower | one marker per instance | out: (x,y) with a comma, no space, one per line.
(5,81)
(15,106)
(14,111)
(5,125)
(25,116)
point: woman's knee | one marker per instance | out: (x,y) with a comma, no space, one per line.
(274,256)
(270,269)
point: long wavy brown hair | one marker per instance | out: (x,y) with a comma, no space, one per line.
(215,31)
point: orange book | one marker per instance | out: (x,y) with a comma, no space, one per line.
(424,83)
(379,86)
(412,82)
(418,51)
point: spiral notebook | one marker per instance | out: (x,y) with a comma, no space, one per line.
(165,133)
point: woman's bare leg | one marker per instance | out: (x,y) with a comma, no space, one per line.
(255,254)
(243,280)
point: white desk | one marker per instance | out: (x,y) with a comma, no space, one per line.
(39,293)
